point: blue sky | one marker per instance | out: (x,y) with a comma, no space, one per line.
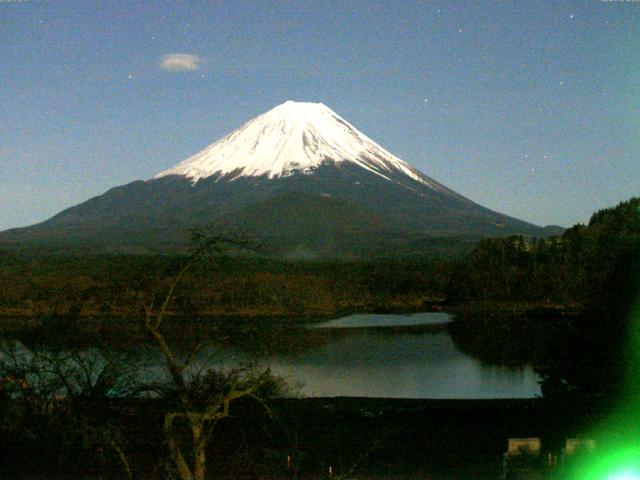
(529,108)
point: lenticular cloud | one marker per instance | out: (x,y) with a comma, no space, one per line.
(180,62)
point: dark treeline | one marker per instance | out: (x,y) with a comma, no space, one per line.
(118,286)
(588,265)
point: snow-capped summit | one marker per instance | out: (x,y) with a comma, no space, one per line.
(294,137)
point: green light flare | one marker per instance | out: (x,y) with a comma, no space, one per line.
(625,475)
(614,464)
(617,455)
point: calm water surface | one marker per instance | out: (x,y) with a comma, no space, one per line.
(356,361)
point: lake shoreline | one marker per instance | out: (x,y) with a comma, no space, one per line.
(13,320)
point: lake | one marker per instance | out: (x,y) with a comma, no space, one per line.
(394,356)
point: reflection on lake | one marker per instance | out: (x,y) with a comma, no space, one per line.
(407,364)
(376,320)
(400,356)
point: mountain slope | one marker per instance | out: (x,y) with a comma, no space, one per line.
(298,175)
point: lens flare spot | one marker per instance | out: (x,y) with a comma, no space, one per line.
(624,475)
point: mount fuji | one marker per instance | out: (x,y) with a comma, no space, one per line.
(299,176)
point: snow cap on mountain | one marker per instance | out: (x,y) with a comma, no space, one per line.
(294,137)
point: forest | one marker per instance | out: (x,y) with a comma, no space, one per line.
(116,286)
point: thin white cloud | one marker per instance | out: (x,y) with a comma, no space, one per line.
(180,62)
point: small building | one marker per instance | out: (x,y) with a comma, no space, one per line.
(522,460)
(575,445)
(519,446)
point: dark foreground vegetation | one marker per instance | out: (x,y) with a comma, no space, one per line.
(562,304)
(295,438)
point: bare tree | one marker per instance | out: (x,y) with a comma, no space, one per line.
(202,400)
